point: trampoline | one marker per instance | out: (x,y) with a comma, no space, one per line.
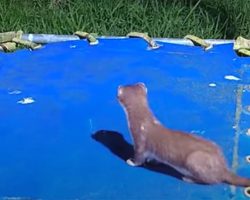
(65,136)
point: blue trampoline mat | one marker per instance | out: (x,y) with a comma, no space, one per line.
(71,140)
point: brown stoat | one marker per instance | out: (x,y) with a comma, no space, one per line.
(199,160)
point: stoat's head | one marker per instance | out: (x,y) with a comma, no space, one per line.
(132,94)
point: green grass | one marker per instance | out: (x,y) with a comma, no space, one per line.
(160,18)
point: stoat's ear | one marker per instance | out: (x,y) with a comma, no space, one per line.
(143,86)
(120,90)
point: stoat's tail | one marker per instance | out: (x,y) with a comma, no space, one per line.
(236,180)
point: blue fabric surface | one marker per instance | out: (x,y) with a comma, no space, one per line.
(47,147)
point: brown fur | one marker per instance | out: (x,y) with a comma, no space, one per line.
(198,159)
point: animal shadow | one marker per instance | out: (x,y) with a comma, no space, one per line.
(116,143)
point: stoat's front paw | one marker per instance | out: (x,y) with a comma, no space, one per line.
(131,162)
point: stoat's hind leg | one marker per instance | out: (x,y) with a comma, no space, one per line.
(207,168)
